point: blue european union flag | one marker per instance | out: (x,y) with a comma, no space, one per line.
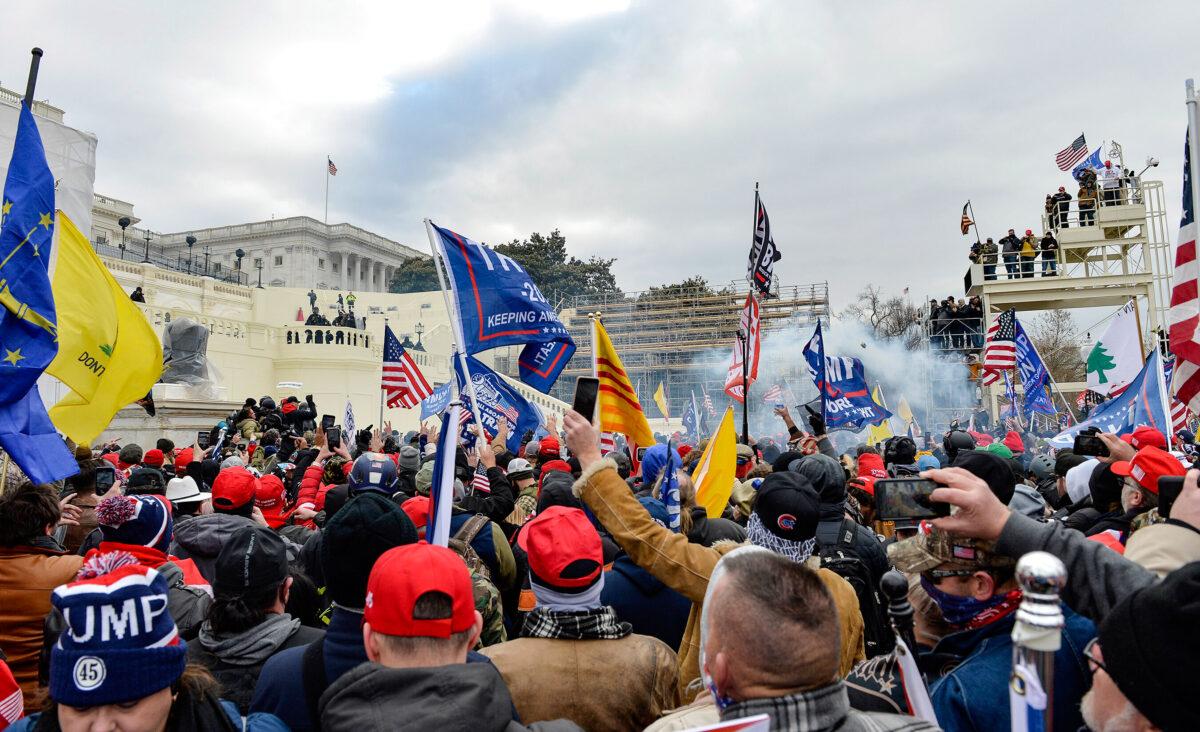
(28,325)
(499,305)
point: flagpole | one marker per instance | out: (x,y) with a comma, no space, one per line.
(436,248)
(381,392)
(1193,144)
(31,83)
(971,208)
(746,372)
(327,161)
(1137,318)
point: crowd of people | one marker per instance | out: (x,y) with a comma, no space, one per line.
(956,325)
(281,579)
(345,317)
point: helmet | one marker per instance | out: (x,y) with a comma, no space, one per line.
(1042,467)
(956,440)
(373,471)
(899,451)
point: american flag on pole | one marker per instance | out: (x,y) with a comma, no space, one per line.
(480,484)
(1184,315)
(403,383)
(1179,410)
(773,395)
(1000,352)
(608,443)
(332,167)
(708,405)
(965,225)
(1070,155)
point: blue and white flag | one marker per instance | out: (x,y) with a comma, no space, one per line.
(499,305)
(1034,376)
(436,403)
(441,493)
(28,321)
(497,400)
(1010,393)
(692,419)
(845,397)
(1143,403)
(349,429)
(1092,162)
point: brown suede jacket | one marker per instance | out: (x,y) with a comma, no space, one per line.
(686,567)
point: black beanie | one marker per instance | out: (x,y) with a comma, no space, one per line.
(781,463)
(1144,639)
(994,470)
(365,528)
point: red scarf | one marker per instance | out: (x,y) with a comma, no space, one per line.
(148,556)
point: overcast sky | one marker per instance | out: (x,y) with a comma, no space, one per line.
(638,129)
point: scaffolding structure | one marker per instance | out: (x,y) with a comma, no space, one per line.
(682,337)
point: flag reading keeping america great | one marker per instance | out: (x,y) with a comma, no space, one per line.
(403,383)
(763,254)
(1000,353)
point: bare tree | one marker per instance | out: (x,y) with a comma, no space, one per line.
(1054,335)
(889,318)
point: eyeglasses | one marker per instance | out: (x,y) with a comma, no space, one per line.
(1089,652)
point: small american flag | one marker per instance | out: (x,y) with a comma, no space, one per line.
(403,383)
(708,405)
(1070,155)
(480,484)
(608,443)
(773,395)
(332,167)
(1000,353)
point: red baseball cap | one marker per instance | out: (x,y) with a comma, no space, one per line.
(233,489)
(402,575)
(417,509)
(270,498)
(1148,436)
(183,459)
(1150,464)
(548,446)
(564,549)
(154,458)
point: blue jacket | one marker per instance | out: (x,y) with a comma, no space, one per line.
(250,723)
(280,689)
(644,602)
(974,695)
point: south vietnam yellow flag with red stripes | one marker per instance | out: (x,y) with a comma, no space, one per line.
(619,409)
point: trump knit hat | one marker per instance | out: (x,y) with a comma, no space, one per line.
(401,576)
(564,550)
(136,520)
(120,643)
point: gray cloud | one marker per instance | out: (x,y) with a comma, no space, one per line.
(638,131)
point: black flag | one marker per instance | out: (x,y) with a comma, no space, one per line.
(763,254)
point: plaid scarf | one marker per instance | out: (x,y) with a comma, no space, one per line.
(595,624)
(759,535)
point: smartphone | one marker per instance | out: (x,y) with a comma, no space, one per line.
(641,452)
(1087,443)
(907,498)
(106,477)
(587,392)
(1169,487)
(202,439)
(327,422)
(333,437)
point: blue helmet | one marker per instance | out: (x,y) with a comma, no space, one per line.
(373,471)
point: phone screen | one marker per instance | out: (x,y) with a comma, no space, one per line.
(106,476)
(907,498)
(1169,488)
(1089,444)
(641,452)
(587,389)
(333,437)
(202,438)
(327,422)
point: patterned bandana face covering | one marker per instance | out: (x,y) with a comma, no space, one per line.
(713,580)
(967,611)
(759,535)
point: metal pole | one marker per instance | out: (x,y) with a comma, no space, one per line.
(31,83)
(745,385)
(1193,144)
(1037,634)
(974,223)
(327,161)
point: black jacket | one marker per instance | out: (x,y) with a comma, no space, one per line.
(496,506)
(706,531)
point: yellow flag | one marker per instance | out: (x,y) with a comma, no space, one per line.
(619,410)
(108,354)
(880,432)
(717,469)
(660,398)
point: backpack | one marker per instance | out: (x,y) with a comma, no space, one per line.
(837,555)
(460,543)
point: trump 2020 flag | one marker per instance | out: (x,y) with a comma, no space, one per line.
(441,493)
(499,305)
(846,401)
(1144,402)
(28,322)
(1091,162)
(497,400)
(437,402)
(1033,375)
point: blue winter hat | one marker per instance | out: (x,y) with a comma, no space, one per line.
(656,458)
(143,520)
(928,462)
(120,643)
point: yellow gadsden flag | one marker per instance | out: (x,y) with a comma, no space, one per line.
(717,468)
(877,433)
(660,398)
(620,410)
(108,354)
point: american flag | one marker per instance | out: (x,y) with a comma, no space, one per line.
(708,405)
(965,225)
(1070,155)
(1179,410)
(332,167)
(403,383)
(480,484)
(1000,353)
(1184,315)
(608,443)
(773,395)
